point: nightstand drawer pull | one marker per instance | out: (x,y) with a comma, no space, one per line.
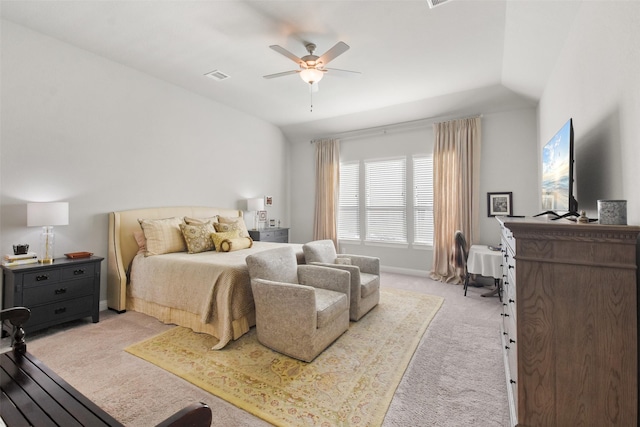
(42,277)
(60,310)
(78,272)
(60,291)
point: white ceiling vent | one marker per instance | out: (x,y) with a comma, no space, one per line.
(434,3)
(217,75)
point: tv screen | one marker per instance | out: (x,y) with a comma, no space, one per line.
(557,172)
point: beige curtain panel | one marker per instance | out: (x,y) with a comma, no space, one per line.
(325,223)
(456,181)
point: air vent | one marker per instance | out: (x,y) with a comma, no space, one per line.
(434,3)
(217,75)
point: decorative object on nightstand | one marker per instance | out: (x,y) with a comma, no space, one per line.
(68,289)
(280,235)
(46,215)
(255,205)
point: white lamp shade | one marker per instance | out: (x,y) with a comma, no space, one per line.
(255,204)
(47,214)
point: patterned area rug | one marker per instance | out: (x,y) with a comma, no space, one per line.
(351,383)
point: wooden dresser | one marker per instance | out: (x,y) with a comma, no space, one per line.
(570,322)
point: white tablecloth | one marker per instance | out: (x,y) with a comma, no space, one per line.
(484,261)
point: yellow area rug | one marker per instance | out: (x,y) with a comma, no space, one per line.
(350,384)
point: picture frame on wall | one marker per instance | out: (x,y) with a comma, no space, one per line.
(500,203)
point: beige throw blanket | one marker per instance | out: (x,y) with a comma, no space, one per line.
(213,285)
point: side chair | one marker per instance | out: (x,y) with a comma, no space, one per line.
(365,274)
(300,309)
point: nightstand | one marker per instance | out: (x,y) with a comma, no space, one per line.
(68,289)
(280,235)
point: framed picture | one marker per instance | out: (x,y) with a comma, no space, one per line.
(499,203)
(268,200)
(262,216)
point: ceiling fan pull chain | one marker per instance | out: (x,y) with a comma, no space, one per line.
(311,97)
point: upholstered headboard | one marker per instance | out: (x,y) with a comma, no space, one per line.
(123,246)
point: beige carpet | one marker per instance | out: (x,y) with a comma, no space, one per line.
(455,378)
(351,383)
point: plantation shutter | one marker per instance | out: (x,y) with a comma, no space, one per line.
(423,200)
(385,193)
(349,202)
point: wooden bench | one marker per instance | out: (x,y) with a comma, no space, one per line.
(32,394)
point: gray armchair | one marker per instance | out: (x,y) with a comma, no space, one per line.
(300,309)
(365,274)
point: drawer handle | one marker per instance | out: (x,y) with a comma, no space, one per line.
(510,266)
(42,277)
(60,291)
(506,347)
(60,310)
(510,300)
(512,381)
(511,341)
(78,272)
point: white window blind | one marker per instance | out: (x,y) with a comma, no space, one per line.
(385,200)
(349,201)
(423,199)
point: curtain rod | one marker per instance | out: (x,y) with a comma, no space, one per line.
(396,126)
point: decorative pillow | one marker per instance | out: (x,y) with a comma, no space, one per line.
(228,245)
(198,237)
(141,241)
(195,221)
(343,261)
(237,222)
(163,235)
(219,237)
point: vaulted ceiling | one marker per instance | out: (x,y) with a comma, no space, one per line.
(415,61)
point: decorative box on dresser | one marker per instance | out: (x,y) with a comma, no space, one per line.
(570,322)
(279,235)
(68,289)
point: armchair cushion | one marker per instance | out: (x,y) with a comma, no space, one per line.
(329,305)
(320,251)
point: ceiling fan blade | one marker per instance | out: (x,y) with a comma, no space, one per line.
(284,73)
(335,51)
(343,73)
(286,53)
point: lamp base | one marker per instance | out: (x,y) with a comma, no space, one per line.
(47,238)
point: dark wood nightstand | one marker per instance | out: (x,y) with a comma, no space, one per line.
(279,235)
(68,289)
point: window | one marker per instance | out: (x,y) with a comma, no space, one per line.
(385,200)
(423,200)
(349,203)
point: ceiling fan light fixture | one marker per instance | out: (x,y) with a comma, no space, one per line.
(311,75)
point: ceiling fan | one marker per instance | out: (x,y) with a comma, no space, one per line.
(312,67)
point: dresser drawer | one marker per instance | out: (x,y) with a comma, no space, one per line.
(279,235)
(78,272)
(41,277)
(58,312)
(37,295)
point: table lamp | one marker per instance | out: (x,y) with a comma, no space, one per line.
(255,205)
(46,215)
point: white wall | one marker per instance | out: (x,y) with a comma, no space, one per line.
(78,128)
(509,163)
(596,81)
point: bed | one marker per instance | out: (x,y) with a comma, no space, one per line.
(209,291)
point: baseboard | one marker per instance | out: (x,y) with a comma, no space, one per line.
(407,271)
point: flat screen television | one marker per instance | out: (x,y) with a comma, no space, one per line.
(557,174)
